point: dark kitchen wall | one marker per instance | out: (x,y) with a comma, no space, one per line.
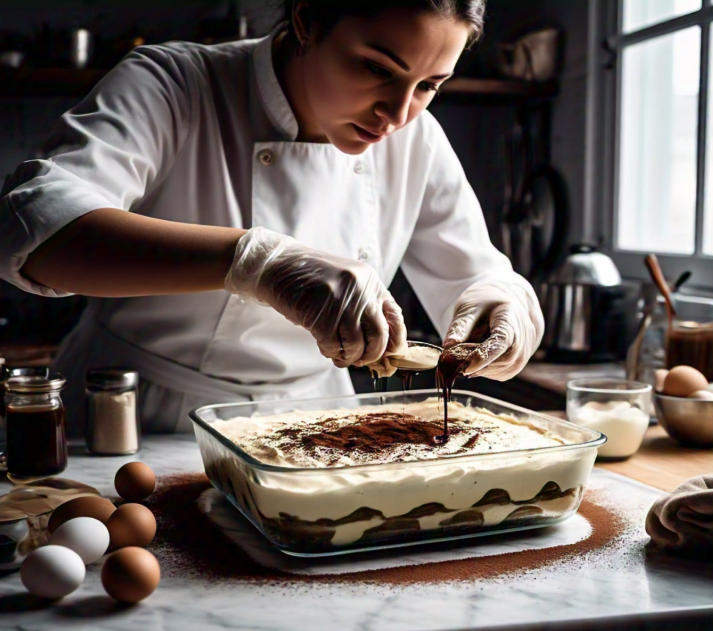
(477,132)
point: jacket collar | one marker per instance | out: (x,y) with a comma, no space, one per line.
(273,99)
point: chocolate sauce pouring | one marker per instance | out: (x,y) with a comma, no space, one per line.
(452,362)
(455,360)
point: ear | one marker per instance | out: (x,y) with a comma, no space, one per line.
(303,22)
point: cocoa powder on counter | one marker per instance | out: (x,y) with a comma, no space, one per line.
(188,544)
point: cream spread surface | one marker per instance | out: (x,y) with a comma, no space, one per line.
(380,434)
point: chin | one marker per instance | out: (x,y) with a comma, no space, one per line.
(351,146)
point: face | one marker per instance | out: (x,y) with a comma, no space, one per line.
(371,76)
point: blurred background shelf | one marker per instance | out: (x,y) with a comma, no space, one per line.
(48,81)
(498,91)
(71,82)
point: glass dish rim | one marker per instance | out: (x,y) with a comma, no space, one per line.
(639,386)
(599,440)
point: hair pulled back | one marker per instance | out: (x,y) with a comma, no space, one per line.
(327,13)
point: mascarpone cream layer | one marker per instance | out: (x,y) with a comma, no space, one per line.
(264,439)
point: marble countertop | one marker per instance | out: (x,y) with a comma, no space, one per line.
(624,581)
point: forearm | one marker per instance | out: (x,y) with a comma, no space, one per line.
(112,253)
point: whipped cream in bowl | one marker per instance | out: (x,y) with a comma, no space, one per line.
(336,475)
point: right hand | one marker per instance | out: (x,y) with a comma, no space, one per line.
(341,302)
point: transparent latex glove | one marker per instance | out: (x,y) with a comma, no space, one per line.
(683,519)
(341,302)
(506,318)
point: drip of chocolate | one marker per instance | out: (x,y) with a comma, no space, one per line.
(452,362)
(406,377)
(381,384)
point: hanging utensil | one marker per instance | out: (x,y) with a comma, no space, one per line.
(682,280)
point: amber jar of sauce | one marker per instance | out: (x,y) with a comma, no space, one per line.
(690,343)
(35,419)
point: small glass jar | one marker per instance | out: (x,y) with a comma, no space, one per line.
(36,435)
(617,408)
(112,418)
(5,375)
(690,343)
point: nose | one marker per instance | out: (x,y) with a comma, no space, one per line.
(395,108)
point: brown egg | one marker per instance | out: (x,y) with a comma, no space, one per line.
(130,574)
(682,381)
(96,507)
(131,525)
(135,481)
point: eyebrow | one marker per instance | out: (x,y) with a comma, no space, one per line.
(400,62)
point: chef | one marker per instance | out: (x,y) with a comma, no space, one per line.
(297,172)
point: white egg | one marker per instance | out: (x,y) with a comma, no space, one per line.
(87,536)
(709,387)
(52,572)
(704,395)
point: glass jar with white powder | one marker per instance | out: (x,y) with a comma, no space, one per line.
(112,418)
(617,408)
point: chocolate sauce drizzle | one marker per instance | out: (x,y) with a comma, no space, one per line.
(451,364)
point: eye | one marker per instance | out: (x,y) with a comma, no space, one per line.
(377,70)
(427,86)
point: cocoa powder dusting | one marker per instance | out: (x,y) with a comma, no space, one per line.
(370,435)
(188,544)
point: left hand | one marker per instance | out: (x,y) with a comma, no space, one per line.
(515,324)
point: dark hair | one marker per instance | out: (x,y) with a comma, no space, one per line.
(327,13)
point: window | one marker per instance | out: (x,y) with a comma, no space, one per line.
(655,111)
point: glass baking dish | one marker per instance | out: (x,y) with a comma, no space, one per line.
(336,510)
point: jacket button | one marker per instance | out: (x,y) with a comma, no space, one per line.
(266,157)
(359,167)
(364,254)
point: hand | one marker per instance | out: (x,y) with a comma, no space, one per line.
(341,302)
(507,319)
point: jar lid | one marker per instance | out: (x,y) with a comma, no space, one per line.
(35,384)
(107,377)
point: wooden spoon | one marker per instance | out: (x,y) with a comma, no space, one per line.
(652,264)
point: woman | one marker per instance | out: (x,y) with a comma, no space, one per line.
(296,171)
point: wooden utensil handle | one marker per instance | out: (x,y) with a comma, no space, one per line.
(652,264)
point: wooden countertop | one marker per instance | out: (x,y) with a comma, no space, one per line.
(660,462)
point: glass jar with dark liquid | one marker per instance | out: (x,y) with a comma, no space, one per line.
(36,438)
(690,343)
(5,375)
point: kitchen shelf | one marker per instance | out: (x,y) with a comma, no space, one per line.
(48,81)
(73,82)
(499,90)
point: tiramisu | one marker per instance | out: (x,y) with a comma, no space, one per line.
(326,481)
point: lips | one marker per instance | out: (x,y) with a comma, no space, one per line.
(367,135)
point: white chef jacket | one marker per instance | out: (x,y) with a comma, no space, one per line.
(205,135)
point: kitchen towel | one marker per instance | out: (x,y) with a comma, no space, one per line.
(683,519)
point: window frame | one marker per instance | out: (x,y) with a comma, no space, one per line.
(606,44)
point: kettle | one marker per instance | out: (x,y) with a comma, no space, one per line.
(590,313)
